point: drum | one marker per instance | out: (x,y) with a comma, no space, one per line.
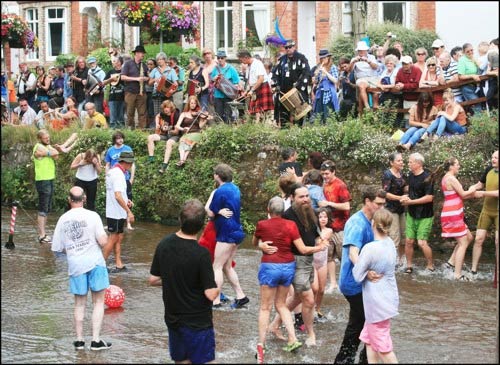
(166,87)
(191,87)
(294,103)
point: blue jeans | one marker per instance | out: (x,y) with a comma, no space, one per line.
(412,135)
(469,93)
(116,113)
(441,124)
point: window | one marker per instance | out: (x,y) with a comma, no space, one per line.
(56,33)
(347,18)
(116,29)
(255,23)
(394,11)
(223,24)
(32,20)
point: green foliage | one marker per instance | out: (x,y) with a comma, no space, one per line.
(170,49)
(63,59)
(411,39)
(103,59)
(485,127)
(15,185)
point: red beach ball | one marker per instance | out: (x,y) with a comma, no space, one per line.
(114,296)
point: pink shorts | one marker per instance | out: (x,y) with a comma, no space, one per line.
(378,336)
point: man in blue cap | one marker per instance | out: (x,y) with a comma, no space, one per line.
(227,71)
(94,91)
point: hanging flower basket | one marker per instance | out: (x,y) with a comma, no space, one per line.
(16,43)
(17,33)
(135,13)
(177,19)
(135,23)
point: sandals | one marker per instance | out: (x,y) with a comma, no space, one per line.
(463,278)
(44,239)
(180,163)
(292,346)
(449,266)
(409,270)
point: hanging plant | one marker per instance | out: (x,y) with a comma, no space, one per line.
(17,33)
(178,19)
(135,13)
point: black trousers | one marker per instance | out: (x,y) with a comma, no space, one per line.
(90,189)
(350,344)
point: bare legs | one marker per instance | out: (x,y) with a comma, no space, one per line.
(41,220)
(97,314)
(318,286)
(223,258)
(114,244)
(426,249)
(374,357)
(168,150)
(458,256)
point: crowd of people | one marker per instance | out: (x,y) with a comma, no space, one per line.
(310,229)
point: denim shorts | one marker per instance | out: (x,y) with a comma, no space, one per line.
(196,345)
(96,279)
(273,274)
(45,189)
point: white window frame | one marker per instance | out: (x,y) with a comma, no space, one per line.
(114,19)
(406,12)
(34,24)
(64,45)
(347,29)
(256,5)
(226,9)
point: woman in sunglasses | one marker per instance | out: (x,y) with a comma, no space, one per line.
(433,76)
(421,55)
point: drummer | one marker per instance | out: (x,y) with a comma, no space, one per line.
(292,70)
(258,90)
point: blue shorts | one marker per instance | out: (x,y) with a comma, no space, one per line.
(197,346)
(96,279)
(273,275)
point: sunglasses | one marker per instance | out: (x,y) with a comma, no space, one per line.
(420,54)
(435,48)
(288,47)
(431,65)
(221,58)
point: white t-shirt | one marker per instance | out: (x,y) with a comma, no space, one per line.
(255,70)
(77,232)
(115,181)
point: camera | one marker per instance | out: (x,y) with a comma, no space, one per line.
(390,35)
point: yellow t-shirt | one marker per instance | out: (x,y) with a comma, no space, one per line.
(491,202)
(96,121)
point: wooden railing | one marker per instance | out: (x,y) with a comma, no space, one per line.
(453,84)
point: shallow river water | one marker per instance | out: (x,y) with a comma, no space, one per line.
(440,321)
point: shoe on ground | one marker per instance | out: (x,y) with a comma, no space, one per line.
(260,353)
(79,345)
(101,345)
(292,347)
(44,239)
(424,136)
(238,303)
(223,298)
(118,270)
(463,278)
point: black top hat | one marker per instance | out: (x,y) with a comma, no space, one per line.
(139,48)
(324,53)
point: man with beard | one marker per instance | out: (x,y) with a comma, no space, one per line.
(302,213)
(358,232)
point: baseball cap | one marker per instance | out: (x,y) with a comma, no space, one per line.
(437,43)
(406,59)
(127,157)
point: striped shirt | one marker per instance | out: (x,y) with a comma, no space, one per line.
(448,73)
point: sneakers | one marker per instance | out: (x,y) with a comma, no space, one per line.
(163,168)
(260,353)
(238,303)
(292,346)
(79,345)
(223,298)
(101,345)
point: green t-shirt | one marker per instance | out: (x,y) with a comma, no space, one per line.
(45,167)
(466,66)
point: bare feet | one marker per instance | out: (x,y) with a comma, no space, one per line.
(311,341)
(277,333)
(130,228)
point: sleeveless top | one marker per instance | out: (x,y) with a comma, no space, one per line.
(86,172)
(187,121)
(452,215)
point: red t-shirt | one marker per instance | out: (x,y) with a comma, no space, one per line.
(282,232)
(336,192)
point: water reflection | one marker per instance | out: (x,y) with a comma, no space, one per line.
(440,321)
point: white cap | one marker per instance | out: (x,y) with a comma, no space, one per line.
(362,46)
(437,43)
(406,59)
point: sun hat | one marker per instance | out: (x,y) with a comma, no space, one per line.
(324,53)
(221,53)
(437,43)
(91,59)
(362,46)
(406,59)
(126,157)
